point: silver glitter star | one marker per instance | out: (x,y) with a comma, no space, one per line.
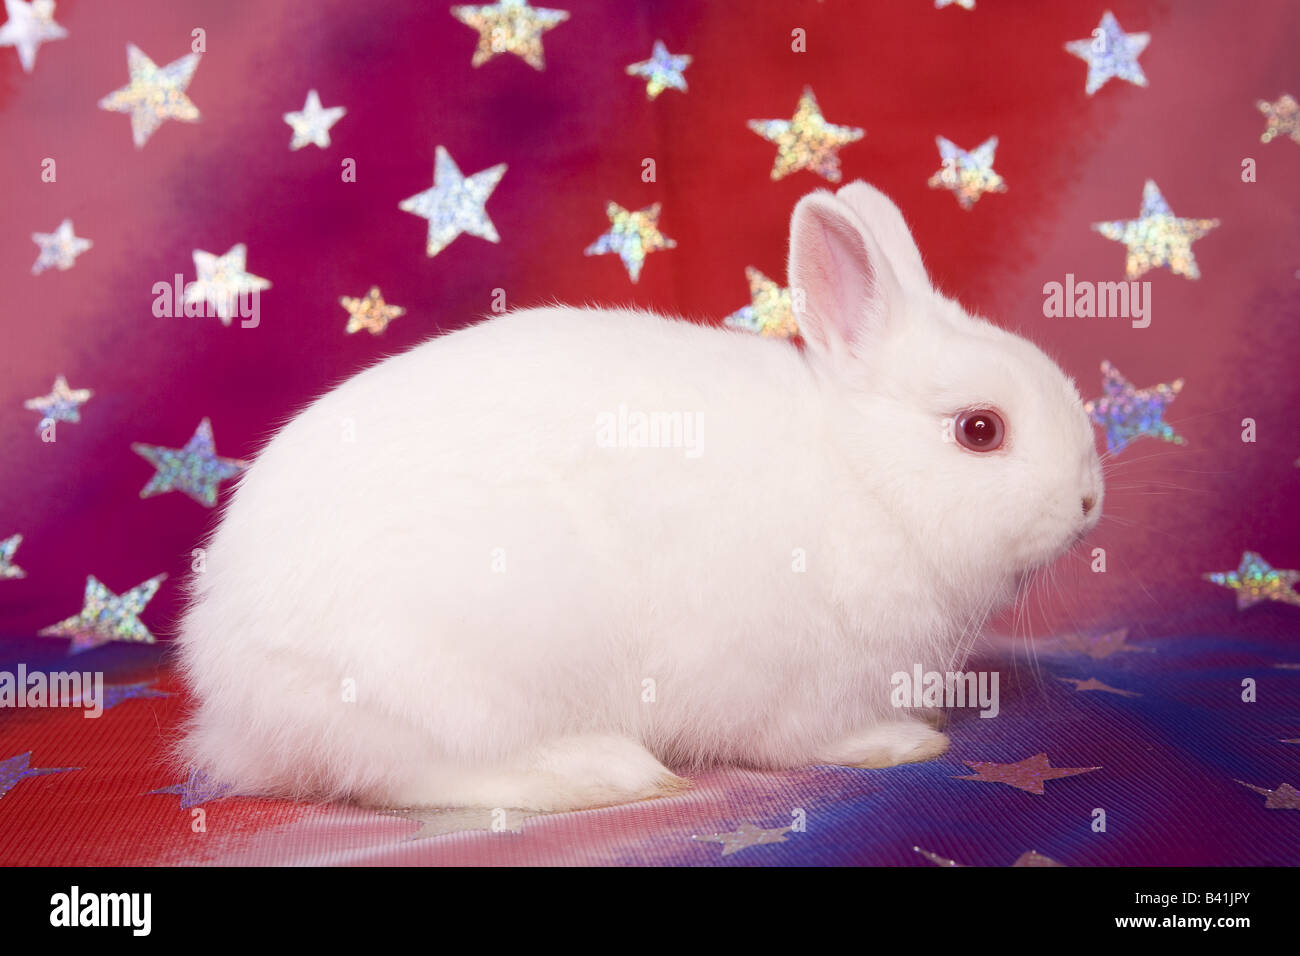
(1157,237)
(1028,858)
(222,280)
(59,249)
(197,789)
(936,859)
(455,203)
(1128,413)
(632,236)
(510,26)
(154,95)
(770,311)
(1285,797)
(1092,683)
(63,404)
(29,25)
(436,823)
(968,175)
(195,469)
(371,313)
(9,570)
(115,694)
(1111,52)
(745,836)
(106,616)
(1100,646)
(312,123)
(19,768)
(807,141)
(1028,775)
(662,71)
(1256,580)
(1282,117)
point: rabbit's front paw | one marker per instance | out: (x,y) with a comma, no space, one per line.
(887,745)
(572,773)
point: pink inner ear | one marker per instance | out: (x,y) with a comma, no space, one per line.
(840,282)
(853,280)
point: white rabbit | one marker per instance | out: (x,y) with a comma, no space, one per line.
(452,581)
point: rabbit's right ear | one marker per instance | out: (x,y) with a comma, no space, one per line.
(844,290)
(885,220)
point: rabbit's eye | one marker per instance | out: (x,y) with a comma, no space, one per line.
(979,429)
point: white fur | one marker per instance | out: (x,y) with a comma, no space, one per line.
(372,561)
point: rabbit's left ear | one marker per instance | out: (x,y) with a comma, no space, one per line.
(845,292)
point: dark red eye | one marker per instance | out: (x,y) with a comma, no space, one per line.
(979,429)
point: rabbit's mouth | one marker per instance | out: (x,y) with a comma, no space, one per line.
(1050,554)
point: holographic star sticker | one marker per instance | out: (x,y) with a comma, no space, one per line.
(807,141)
(154,95)
(1128,413)
(371,313)
(436,823)
(311,124)
(930,855)
(1157,237)
(968,175)
(745,836)
(107,617)
(1032,858)
(770,312)
(27,27)
(59,249)
(1100,646)
(223,282)
(455,203)
(632,236)
(1283,118)
(8,570)
(195,469)
(662,71)
(197,789)
(1028,774)
(115,694)
(1028,858)
(16,769)
(1110,52)
(510,26)
(1285,797)
(1256,580)
(1092,683)
(63,404)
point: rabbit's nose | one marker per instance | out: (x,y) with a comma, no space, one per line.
(1089,502)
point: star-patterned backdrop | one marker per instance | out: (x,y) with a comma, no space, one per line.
(213,212)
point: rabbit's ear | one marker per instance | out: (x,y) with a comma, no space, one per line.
(885,221)
(843,288)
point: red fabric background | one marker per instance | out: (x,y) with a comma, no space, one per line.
(574,137)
